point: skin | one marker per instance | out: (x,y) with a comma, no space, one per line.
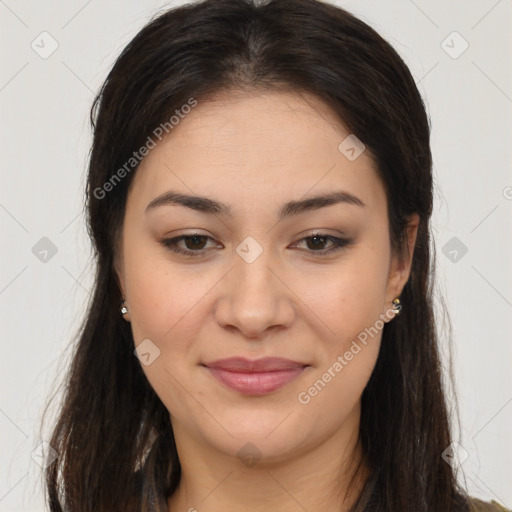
(255,152)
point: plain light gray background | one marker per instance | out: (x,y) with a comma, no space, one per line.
(45,141)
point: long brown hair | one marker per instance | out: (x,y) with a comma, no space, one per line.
(111,417)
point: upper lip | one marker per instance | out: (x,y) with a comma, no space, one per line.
(243,365)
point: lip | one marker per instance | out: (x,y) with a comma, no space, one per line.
(255,377)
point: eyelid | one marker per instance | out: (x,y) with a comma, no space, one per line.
(171,244)
(338,243)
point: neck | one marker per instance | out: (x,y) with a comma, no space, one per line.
(318,478)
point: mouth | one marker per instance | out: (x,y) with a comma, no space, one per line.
(255,377)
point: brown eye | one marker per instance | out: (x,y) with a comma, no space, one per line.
(316,243)
(194,244)
(195,241)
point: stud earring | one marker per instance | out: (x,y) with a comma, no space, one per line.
(124,309)
(397,307)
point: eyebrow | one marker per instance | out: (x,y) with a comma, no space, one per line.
(210,206)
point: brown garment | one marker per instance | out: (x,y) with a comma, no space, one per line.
(477,505)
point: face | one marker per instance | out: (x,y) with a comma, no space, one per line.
(244,275)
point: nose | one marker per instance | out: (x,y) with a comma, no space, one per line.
(255,298)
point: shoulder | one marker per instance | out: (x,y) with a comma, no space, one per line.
(476,505)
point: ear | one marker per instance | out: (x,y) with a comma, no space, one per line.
(400,266)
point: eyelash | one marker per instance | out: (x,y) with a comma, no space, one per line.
(171,244)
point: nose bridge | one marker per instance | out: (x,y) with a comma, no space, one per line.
(252,269)
(253,279)
(253,298)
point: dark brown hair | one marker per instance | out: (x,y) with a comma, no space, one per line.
(111,417)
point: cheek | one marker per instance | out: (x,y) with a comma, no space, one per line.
(349,297)
(165,306)
(170,303)
(352,307)
(162,296)
(334,392)
(350,303)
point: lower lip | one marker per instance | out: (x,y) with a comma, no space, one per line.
(257,383)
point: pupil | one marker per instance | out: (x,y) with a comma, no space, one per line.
(317,240)
(195,239)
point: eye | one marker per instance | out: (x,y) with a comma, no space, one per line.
(195,244)
(316,243)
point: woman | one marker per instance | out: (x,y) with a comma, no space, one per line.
(262,334)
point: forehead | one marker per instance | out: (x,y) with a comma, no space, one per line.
(245,148)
